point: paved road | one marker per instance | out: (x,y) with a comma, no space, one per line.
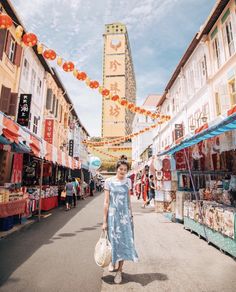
(57,255)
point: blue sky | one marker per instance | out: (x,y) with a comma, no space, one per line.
(159,33)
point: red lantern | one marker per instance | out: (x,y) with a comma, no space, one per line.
(124,102)
(5,21)
(105,92)
(130,106)
(115,97)
(68,67)
(50,55)
(142,111)
(149,113)
(30,39)
(95,84)
(153,126)
(147,129)
(81,76)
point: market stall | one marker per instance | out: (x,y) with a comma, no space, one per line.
(206,177)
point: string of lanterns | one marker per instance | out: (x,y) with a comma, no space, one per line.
(31,40)
(104,153)
(124,138)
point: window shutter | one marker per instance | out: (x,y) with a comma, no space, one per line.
(49,99)
(53,104)
(13,104)
(18,53)
(56,113)
(5,99)
(8,43)
(3,33)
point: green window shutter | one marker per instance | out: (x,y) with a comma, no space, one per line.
(227,13)
(214,32)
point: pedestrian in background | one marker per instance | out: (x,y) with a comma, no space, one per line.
(69,194)
(152,189)
(118,219)
(75,184)
(91,187)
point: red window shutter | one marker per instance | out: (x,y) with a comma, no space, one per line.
(5,99)
(8,43)
(3,33)
(13,104)
(18,53)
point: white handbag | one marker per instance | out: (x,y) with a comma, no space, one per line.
(102,253)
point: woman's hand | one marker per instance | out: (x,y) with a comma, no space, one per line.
(104,226)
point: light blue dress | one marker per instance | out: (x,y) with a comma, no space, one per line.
(120,222)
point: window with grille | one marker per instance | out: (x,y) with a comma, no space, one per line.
(35,125)
(216,52)
(26,69)
(217,103)
(12,50)
(228,37)
(232,90)
(33,80)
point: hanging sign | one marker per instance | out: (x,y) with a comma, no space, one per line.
(24,110)
(178,131)
(71,147)
(48,135)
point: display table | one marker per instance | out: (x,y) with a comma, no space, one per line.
(223,242)
(49,203)
(12,208)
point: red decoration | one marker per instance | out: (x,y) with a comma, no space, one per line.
(115,97)
(105,92)
(124,102)
(5,21)
(68,67)
(95,84)
(50,55)
(149,113)
(81,76)
(30,39)
(130,106)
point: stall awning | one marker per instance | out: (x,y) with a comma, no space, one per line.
(23,141)
(221,125)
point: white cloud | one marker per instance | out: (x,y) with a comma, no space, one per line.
(159,31)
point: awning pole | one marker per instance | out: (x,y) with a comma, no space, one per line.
(40,190)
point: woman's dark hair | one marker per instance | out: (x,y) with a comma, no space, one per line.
(122,162)
(69,179)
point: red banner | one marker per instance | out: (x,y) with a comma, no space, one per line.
(48,134)
(17,168)
(12,208)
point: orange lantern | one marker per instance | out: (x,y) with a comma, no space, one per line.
(115,97)
(147,129)
(50,55)
(105,92)
(149,113)
(81,76)
(130,106)
(124,102)
(68,67)
(30,39)
(153,126)
(5,21)
(95,84)
(142,111)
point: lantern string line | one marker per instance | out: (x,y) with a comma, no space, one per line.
(82,76)
(119,140)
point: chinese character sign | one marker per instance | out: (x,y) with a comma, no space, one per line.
(71,147)
(48,135)
(114,110)
(24,109)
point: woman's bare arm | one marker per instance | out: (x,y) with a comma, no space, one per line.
(105,210)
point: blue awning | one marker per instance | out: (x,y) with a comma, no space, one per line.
(228,124)
(4,140)
(20,148)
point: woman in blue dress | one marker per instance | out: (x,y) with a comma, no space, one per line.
(118,218)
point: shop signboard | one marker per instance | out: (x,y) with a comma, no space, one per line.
(48,134)
(71,147)
(24,110)
(178,131)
